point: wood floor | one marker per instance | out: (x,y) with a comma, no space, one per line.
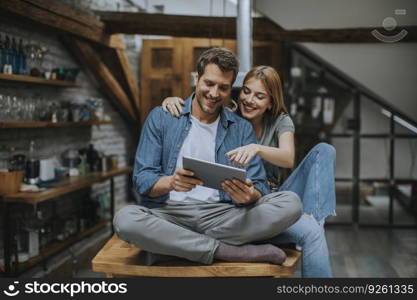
(372,252)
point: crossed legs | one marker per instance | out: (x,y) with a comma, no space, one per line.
(195,231)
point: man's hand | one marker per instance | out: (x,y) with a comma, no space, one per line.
(182,181)
(240,192)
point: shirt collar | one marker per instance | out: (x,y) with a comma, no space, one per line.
(226,116)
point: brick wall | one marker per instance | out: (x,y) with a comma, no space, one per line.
(51,142)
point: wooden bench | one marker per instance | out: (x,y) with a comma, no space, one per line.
(120,259)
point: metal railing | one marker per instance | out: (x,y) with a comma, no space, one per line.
(359,91)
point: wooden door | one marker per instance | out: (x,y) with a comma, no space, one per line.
(192,48)
(166,65)
(268,53)
(161,73)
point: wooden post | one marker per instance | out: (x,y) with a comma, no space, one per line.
(117,61)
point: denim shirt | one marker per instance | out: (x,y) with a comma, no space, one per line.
(161,140)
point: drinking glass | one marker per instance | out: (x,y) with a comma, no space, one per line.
(2,107)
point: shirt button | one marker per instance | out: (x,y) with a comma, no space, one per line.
(170,166)
(178,145)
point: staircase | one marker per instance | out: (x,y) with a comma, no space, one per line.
(354,91)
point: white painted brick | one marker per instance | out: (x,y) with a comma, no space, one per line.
(52,142)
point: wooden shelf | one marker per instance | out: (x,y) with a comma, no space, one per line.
(59,246)
(37,80)
(40,124)
(65,186)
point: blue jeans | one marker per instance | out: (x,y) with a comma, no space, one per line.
(313,181)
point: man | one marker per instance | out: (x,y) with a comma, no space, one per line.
(180,217)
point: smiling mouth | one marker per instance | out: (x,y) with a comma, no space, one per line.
(248,108)
(212,102)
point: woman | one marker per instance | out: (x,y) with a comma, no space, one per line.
(261,103)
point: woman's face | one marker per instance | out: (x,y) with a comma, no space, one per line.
(254,99)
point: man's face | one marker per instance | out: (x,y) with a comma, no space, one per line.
(213,89)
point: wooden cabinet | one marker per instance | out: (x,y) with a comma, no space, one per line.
(161,70)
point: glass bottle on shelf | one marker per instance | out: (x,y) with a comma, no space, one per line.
(22,58)
(32,165)
(7,67)
(15,57)
(32,226)
(15,109)
(2,107)
(11,164)
(83,167)
(6,108)
(2,55)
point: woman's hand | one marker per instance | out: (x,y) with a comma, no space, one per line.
(242,156)
(240,192)
(173,105)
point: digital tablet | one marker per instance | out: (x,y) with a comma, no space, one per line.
(212,174)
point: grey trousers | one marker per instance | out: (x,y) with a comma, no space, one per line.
(193,231)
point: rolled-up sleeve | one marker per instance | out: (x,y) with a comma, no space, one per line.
(148,167)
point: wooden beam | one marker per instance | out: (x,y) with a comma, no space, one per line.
(59,17)
(60,8)
(225,27)
(89,58)
(129,77)
(349,35)
(117,61)
(173,25)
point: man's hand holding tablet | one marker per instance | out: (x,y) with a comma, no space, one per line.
(230,179)
(244,193)
(184,181)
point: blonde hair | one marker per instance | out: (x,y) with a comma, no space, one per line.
(272,83)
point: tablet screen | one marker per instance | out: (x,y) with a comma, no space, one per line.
(212,174)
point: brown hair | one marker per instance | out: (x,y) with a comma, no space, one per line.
(221,57)
(272,83)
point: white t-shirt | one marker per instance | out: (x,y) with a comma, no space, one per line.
(199,143)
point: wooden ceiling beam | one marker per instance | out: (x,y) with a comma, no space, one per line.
(62,9)
(172,25)
(349,35)
(132,83)
(118,62)
(60,17)
(225,27)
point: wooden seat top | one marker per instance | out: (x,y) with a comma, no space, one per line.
(120,259)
